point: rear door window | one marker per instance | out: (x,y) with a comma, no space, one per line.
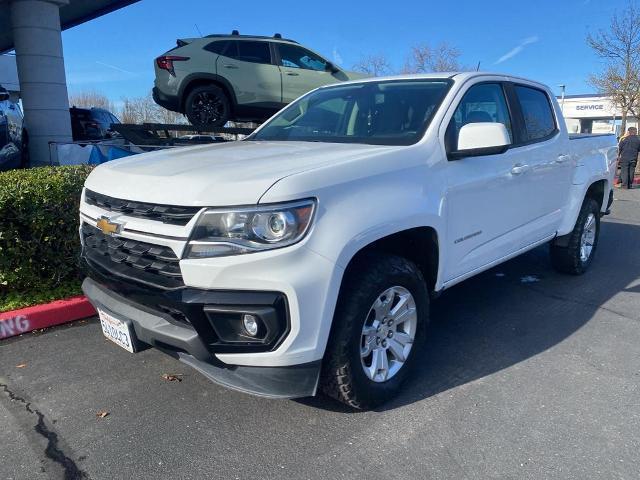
(538,115)
(249,51)
(219,47)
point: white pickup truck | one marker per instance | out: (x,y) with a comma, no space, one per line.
(304,258)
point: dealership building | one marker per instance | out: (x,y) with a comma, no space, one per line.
(592,114)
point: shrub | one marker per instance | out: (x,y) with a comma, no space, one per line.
(39,244)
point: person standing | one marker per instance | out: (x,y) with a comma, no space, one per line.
(628,151)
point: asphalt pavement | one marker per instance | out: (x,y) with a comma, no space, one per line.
(527,374)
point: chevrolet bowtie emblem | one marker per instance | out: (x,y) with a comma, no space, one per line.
(107,226)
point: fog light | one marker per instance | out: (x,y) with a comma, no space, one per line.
(250,323)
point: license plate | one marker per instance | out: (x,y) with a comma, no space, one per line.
(116,330)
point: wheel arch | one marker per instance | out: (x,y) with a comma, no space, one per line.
(598,189)
(203,79)
(418,244)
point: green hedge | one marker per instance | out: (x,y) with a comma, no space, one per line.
(39,243)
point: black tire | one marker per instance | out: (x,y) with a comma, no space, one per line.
(343,376)
(208,106)
(566,255)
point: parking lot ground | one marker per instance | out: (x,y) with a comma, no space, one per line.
(527,374)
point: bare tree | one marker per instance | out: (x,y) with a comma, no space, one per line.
(169,116)
(91,99)
(441,58)
(619,47)
(145,110)
(374,65)
(138,110)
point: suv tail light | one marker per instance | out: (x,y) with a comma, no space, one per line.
(165,62)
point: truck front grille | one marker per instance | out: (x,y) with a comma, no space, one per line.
(174,215)
(151,264)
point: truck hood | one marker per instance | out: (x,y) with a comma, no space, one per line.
(234,173)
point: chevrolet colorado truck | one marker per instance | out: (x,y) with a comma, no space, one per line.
(304,258)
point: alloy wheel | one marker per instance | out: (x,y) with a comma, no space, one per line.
(388,334)
(208,108)
(588,238)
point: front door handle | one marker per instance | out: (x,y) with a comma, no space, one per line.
(519,169)
(293,74)
(228,65)
(563,158)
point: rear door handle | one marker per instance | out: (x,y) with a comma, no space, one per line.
(519,169)
(293,74)
(228,65)
(563,158)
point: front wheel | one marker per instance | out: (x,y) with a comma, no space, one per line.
(378,327)
(576,256)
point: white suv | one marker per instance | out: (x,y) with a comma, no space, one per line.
(306,256)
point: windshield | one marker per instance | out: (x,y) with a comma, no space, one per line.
(395,112)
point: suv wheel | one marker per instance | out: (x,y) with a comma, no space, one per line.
(576,256)
(208,106)
(379,324)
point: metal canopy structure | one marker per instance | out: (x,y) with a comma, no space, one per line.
(75,12)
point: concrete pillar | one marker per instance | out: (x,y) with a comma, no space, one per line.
(38,44)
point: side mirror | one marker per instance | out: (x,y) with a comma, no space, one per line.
(331,68)
(476,139)
(4,94)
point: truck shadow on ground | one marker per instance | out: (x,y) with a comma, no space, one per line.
(513,312)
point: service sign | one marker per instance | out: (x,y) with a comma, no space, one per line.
(597,107)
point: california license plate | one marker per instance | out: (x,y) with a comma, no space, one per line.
(117,331)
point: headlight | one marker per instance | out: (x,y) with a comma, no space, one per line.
(233,231)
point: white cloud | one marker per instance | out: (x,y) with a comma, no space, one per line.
(515,51)
(104,73)
(114,67)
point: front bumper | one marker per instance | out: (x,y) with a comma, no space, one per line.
(213,315)
(171,335)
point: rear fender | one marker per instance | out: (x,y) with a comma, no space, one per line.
(599,165)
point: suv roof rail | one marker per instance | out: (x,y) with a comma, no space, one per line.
(277,36)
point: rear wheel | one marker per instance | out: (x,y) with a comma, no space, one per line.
(379,324)
(208,106)
(576,253)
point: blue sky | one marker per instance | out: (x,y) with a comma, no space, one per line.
(543,39)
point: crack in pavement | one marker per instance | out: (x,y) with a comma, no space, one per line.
(52,451)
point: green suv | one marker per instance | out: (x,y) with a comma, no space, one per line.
(218,78)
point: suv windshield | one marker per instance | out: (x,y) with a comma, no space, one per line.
(395,112)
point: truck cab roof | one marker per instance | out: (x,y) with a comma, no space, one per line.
(459,77)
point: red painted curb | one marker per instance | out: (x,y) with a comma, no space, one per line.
(16,322)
